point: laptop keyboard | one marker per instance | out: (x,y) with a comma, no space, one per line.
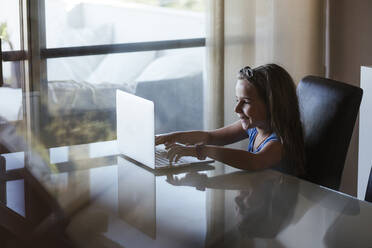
(161,159)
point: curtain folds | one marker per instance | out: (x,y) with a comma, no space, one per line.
(214,111)
(290,33)
(255,32)
(287,32)
(214,86)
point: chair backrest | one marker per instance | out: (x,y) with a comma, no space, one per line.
(369,188)
(328,111)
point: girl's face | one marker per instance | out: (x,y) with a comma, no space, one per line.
(250,107)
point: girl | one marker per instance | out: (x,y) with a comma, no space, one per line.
(267,106)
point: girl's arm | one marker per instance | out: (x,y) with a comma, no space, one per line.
(270,155)
(222,136)
(227,135)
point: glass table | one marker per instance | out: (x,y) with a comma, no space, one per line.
(100,199)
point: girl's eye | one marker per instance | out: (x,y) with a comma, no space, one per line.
(244,101)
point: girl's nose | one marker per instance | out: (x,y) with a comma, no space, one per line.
(238,108)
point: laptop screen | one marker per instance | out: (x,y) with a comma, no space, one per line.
(135,127)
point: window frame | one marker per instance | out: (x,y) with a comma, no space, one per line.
(34,54)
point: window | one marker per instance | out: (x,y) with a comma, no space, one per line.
(10,41)
(84,50)
(62,61)
(11,74)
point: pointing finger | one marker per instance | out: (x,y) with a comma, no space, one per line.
(178,156)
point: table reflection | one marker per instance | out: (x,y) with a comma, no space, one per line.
(137,200)
(263,204)
(97,198)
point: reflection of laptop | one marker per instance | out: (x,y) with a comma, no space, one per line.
(138,198)
(136,133)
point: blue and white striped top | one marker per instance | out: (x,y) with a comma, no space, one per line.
(252,132)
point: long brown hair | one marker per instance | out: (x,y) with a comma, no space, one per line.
(276,88)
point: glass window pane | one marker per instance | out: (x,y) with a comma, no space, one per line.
(82,102)
(9,25)
(15,196)
(174,82)
(11,97)
(14,160)
(11,105)
(12,74)
(88,22)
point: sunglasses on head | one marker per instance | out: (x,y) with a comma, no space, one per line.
(247,72)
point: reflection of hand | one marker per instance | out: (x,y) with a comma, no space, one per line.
(176,151)
(174,180)
(191,179)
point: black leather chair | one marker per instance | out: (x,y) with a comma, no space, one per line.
(368,196)
(328,111)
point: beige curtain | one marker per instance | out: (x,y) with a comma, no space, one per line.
(214,111)
(214,83)
(255,32)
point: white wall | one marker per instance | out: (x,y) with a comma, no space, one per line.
(350,48)
(365,134)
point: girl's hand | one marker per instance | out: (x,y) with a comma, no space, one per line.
(171,138)
(176,151)
(165,139)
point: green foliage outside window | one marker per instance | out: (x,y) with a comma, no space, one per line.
(192,5)
(4,35)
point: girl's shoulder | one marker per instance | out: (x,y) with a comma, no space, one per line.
(251,131)
(274,137)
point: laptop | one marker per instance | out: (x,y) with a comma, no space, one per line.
(135,119)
